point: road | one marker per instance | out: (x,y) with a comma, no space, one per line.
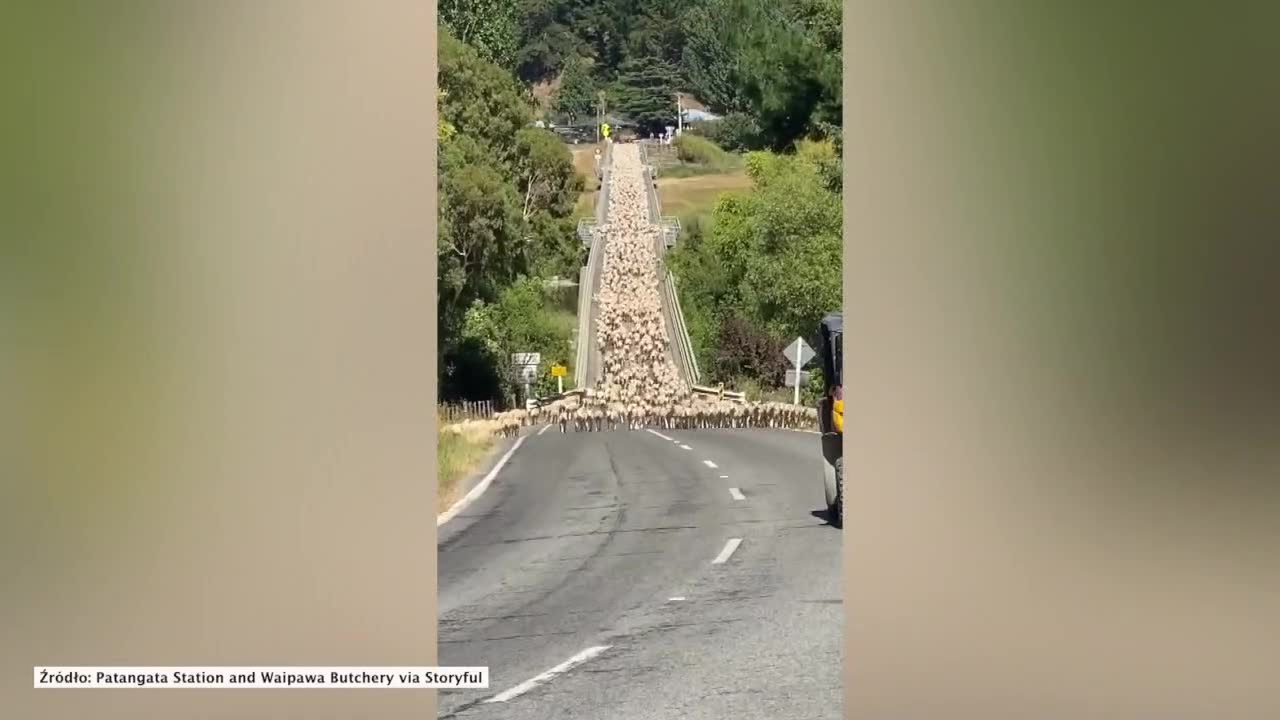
(680,574)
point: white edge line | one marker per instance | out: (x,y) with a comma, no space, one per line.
(729,547)
(534,682)
(544,429)
(737,494)
(479,489)
(709,464)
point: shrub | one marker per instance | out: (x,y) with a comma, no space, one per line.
(747,350)
(701,151)
(736,132)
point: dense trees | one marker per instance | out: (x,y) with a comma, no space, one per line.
(767,268)
(575,99)
(645,93)
(507,192)
(489,26)
(775,63)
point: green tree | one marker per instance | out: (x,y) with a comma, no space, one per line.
(575,98)
(515,322)
(547,39)
(788,80)
(548,185)
(489,26)
(446,128)
(507,192)
(645,93)
(707,61)
(771,261)
(482,101)
(480,237)
(544,173)
(657,29)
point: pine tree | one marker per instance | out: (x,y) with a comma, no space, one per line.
(646,93)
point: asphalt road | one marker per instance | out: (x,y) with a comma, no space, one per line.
(595,554)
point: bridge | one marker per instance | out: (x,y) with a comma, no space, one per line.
(587,366)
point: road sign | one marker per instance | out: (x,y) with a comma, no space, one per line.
(791,377)
(559,371)
(604,129)
(524,359)
(799,353)
(526,367)
(799,349)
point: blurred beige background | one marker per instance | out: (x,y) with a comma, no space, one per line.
(217,349)
(1060,259)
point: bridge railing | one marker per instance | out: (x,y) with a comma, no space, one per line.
(681,345)
(588,233)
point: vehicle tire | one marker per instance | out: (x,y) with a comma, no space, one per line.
(839,510)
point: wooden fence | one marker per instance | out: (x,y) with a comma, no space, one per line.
(471,410)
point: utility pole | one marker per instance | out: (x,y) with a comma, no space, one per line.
(679,116)
(599,114)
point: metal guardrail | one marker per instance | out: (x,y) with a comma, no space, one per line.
(683,330)
(680,333)
(670,229)
(656,154)
(587,230)
(680,343)
(588,233)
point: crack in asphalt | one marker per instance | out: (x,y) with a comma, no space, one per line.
(509,637)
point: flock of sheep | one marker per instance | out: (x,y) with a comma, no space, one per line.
(640,385)
(592,413)
(638,370)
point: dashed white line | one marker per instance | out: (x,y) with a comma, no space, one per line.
(534,682)
(677,598)
(737,494)
(724,477)
(685,447)
(544,429)
(664,437)
(729,547)
(709,464)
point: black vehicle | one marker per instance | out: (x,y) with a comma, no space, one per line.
(831,414)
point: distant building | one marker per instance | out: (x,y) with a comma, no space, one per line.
(695,116)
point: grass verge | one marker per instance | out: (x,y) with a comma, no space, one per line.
(458,456)
(697,195)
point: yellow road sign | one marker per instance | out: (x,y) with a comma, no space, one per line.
(559,371)
(605,129)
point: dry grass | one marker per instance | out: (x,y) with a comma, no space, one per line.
(694,196)
(584,162)
(458,456)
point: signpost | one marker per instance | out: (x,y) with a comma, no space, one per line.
(526,366)
(798,354)
(791,378)
(558,372)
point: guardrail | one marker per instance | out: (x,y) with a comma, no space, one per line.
(719,392)
(655,153)
(588,232)
(681,346)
